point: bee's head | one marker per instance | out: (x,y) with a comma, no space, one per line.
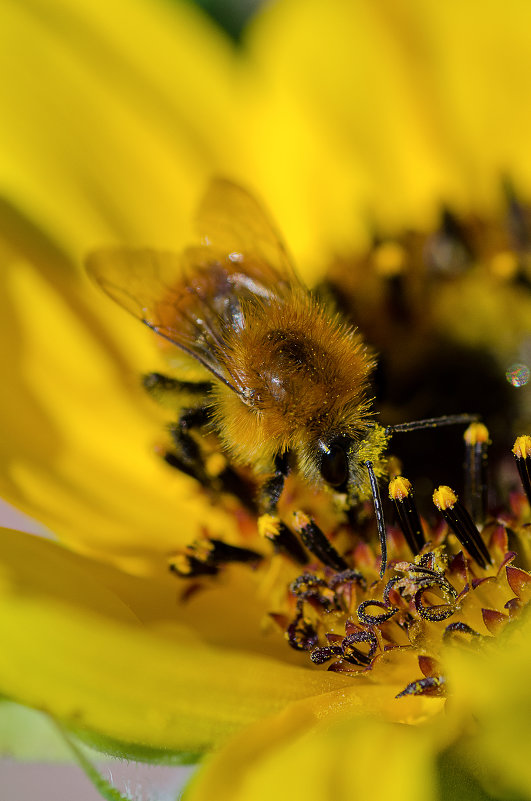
(333,461)
(338,460)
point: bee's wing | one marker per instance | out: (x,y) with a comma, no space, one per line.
(183,308)
(231,221)
(196,300)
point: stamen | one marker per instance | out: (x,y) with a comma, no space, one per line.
(452,631)
(185,565)
(316,542)
(401,493)
(448,251)
(347,576)
(375,620)
(233,483)
(321,655)
(517,218)
(300,634)
(430,685)
(477,441)
(221,553)
(352,654)
(283,539)
(312,588)
(522,454)
(433,612)
(204,557)
(461,524)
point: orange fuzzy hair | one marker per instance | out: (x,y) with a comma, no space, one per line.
(303,375)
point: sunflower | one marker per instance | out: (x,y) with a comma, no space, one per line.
(153,621)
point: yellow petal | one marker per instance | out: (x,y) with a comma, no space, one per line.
(379,112)
(479,71)
(491,687)
(294,756)
(78,448)
(226,612)
(366,144)
(114,115)
(76,650)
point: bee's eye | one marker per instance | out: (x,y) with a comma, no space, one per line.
(334,464)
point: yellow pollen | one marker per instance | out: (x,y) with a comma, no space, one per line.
(476,433)
(444,498)
(202,549)
(389,259)
(181,563)
(215,463)
(522,447)
(399,488)
(301,520)
(504,265)
(268,526)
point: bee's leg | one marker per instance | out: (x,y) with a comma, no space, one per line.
(270,525)
(476,438)
(271,491)
(163,387)
(171,391)
(188,457)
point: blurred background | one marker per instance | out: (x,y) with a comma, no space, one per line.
(390,141)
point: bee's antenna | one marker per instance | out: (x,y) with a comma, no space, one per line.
(434,422)
(378,511)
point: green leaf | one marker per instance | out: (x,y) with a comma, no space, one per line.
(28,735)
(135,752)
(105,789)
(457,781)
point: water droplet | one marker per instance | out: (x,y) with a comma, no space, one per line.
(517,375)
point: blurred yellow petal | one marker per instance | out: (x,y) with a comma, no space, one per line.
(479,59)
(349,119)
(228,613)
(382,111)
(76,651)
(308,760)
(75,472)
(491,688)
(364,141)
(114,114)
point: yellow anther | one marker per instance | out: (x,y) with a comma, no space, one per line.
(504,265)
(389,259)
(181,564)
(268,526)
(476,433)
(399,488)
(300,520)
(522,447)
(201,549)
(444,498)
(215,464)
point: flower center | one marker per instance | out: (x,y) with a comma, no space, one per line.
(354,621)
(448,583)
(457,581)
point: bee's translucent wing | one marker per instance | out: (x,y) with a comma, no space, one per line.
(197,300)
(231,221)
(183,308)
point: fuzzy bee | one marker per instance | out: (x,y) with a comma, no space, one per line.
(284,381)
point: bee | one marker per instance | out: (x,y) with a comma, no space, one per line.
(283,381)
